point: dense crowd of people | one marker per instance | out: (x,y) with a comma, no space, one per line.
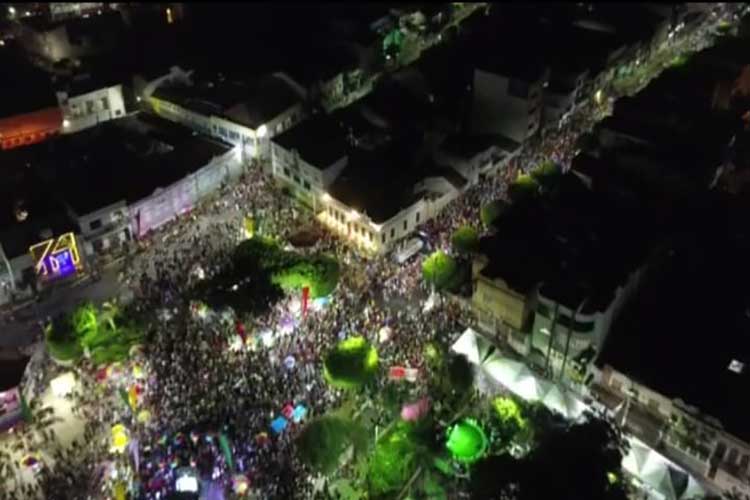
(202,384)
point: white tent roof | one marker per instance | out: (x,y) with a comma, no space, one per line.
(516,376)
(667,479)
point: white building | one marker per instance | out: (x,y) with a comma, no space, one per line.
(243,114)
(84,108)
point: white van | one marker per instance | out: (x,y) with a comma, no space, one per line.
(407,251)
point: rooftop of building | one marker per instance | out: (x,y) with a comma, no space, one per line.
(35,94)
(466,146)
(572,241)
(23,188)
(126,159)
(12,367)
(681,333)
(320,141)
(250,103)
(322,62)
(382,182)
(270,96)
(108,19)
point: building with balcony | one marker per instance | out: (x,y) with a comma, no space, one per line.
(556,272)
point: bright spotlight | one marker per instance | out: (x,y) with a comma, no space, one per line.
(262,131)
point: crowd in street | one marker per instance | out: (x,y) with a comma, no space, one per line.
(202,384)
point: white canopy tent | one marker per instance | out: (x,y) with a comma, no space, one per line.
(663,479)
(515,376)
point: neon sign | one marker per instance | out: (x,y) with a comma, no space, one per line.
(54,259)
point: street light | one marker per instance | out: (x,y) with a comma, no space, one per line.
(12,11)
(259,134)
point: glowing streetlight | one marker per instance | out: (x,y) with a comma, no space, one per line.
(259,134)
(66,123)
(326,197)
(12,11)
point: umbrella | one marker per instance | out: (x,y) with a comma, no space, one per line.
(278,425)
(299,413)
(288,411)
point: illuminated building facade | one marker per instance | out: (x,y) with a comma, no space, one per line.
(30,128)
(243,114)
(12,367)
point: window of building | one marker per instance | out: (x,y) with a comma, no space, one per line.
(417,217)
(405,223)
(95,224)
(732,457)
(307,185)
(297,179)
(105,103)
(382,237)
(234,135)
(89,107)
(393,232)
(287,172)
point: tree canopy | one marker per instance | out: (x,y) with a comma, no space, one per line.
(322,442)
(523,188)
(438,269)
(573,461)
(492,211)
(351,363)
(106,332)
(465,240)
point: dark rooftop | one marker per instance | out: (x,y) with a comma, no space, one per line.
(573,241)
(12,367)
(381,183)
(128,159)
(323,62)
(269,97)
(467,146)
(690,320)
(207,97)
(320,140)
(35,94)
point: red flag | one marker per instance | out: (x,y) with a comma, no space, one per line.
(240,328)
(305,297)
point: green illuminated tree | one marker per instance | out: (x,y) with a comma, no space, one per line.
(319,273)
(438,269)
(546,173)
(392,462)
(465,240)
(351,364)
(523,189)
(492,211)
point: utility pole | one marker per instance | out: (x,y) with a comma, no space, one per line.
(567,340)
(551,337)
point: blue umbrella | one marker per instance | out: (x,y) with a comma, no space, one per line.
(279,425)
